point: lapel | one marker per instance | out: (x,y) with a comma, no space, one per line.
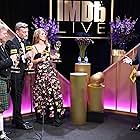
(3,53)
(16,42)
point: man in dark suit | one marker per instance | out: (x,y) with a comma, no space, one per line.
(136,61)
(17,78)
(5,63)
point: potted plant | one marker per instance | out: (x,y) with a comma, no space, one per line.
(122,32)
(49,25)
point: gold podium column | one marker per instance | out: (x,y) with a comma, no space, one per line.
(78,109)
(95,100)
(83,67)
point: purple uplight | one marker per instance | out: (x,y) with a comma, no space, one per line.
(123,102)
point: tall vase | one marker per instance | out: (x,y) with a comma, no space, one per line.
(82,52)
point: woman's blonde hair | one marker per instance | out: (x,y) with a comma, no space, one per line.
(3,27)
(36,35)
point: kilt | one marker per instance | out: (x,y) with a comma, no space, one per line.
(3,96)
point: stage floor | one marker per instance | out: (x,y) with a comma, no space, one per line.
(115,127)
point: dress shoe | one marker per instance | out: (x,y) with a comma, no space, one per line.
(57,122)
(25,126)
(7,132)
(135,128)
(4,137)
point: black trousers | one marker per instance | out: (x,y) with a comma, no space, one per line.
(17,83)
(138,98)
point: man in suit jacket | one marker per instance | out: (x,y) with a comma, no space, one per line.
(17,79)
(5,63)
(136,61)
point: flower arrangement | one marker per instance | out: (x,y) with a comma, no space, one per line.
(49,25)
(83,41)
(122,31)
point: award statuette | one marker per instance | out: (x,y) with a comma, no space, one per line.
(15,68)
(12,50)
(29,68)
(46,53)
(57,54)
(28,48)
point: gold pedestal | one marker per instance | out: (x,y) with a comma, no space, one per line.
(95,102)
(78,110)
(83,67)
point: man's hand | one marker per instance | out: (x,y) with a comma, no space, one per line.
(30,65)
(14,57)
(43,58)
(127,60)
(55,56)
(138,73)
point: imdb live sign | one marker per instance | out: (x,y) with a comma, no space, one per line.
(89,16)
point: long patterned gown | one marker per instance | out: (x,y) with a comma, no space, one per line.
(47,98)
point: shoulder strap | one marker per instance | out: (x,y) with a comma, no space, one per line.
(36,48)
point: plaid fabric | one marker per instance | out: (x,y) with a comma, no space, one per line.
(3,96)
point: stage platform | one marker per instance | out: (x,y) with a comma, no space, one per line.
(114,127)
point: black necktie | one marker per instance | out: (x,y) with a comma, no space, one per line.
(23,41)
(21,51)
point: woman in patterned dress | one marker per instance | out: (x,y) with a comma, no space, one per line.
(47,98)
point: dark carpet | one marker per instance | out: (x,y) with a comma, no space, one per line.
(114,127)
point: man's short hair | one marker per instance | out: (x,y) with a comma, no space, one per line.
(20,25)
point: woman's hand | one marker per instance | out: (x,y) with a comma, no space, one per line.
(29,54)
(43,58)
(39,60)
(14,59)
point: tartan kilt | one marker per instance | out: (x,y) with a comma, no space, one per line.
(4,102)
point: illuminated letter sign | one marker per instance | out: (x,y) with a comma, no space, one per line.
(82,16)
